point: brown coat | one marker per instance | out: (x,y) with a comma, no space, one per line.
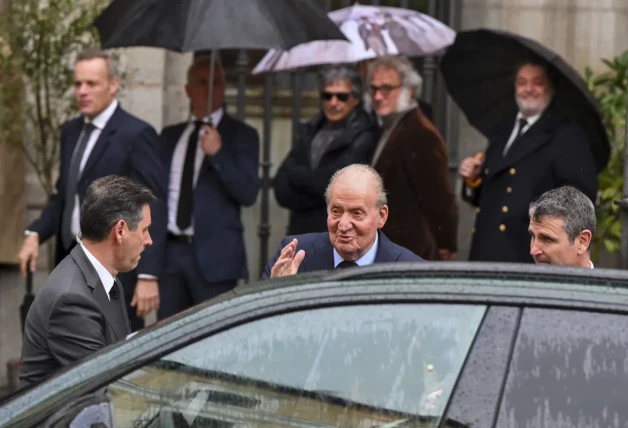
(423,211)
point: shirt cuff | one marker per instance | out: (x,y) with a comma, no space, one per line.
(145,276)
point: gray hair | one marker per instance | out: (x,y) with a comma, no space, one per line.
(360,169)
(569,204)
(111,199)
(342,74)
(94,53)
(408,75)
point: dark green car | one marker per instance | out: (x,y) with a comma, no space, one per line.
(399,345)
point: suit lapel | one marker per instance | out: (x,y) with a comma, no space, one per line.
(171,144)
(320,257)
(101,144)
(99,294)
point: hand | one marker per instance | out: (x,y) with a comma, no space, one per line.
(446,254)
(210,141)
(288,263)
(470,168)
(146,297)
(29,251)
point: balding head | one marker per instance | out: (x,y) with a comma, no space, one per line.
(356,209)
(197,87)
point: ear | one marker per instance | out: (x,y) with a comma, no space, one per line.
(383,216)
(119,231)
(114,84)
(584,241)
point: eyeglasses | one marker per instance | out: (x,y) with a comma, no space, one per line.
(384,89)
(342,96)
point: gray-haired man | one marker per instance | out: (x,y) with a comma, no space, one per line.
(343,133)
(562,224)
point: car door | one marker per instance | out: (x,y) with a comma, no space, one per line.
(361,365)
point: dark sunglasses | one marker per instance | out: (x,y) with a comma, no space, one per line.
(384,89)
(342,96)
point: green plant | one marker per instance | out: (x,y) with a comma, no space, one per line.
(38,40)
(610,88)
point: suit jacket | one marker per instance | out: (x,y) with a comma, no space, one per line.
(301,188)
(553,152)
(70,318)
(319,253)
(226,182)
(127,146)
(423,208)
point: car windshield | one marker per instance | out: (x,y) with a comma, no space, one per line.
(379,365)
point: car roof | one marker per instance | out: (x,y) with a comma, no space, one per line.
(436,282)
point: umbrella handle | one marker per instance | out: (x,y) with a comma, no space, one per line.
(474,184)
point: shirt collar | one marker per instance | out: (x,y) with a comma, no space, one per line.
(105,277)
(529,119)
(216,117)
(592,267)
(366,260)
(101,120)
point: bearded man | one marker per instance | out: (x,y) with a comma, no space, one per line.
(536,151)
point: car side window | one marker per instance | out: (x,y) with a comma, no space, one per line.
(569,369)
(349,366)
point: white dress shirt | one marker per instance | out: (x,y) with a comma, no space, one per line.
(105,277)
(366,260)
(531,120)
(99,123)
(176,171)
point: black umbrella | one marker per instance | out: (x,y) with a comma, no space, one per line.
(200,25)
(192,25)
(28,297)
(479,73)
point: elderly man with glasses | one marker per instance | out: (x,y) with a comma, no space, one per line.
(411,157)
(343,133)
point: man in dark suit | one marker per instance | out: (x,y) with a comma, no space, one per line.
(213,173)
(542,151)
(81,308)
(356,205)
(104,140)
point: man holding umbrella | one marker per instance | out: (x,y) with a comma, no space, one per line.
(536,151)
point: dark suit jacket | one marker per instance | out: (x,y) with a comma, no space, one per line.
(553,152)
(301,188)
(127,146)
(423,207)
(226,182)
(319,253)
(70,319)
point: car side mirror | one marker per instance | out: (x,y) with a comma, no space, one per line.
(93,410)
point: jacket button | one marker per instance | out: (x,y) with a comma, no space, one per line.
(486,171)
(504,209)
(513,171)
(509,189)
(502,228)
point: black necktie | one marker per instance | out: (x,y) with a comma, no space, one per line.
(114,298)
(345,264)
(522,124)
(70,189)
(114,293)
(186,192)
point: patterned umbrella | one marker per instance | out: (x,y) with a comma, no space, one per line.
(372,31)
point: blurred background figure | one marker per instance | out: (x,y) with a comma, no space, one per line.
(343,133)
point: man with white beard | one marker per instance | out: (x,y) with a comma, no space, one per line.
(536,151)
(411,158)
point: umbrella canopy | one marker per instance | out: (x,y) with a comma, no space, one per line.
(372,31)
(192,25)
(479,73)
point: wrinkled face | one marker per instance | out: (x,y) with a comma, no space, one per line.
(94,90)
(353,217)
(532,90)
(386,91)
(549,243)
(197,89)
(131,243)
(338,100)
